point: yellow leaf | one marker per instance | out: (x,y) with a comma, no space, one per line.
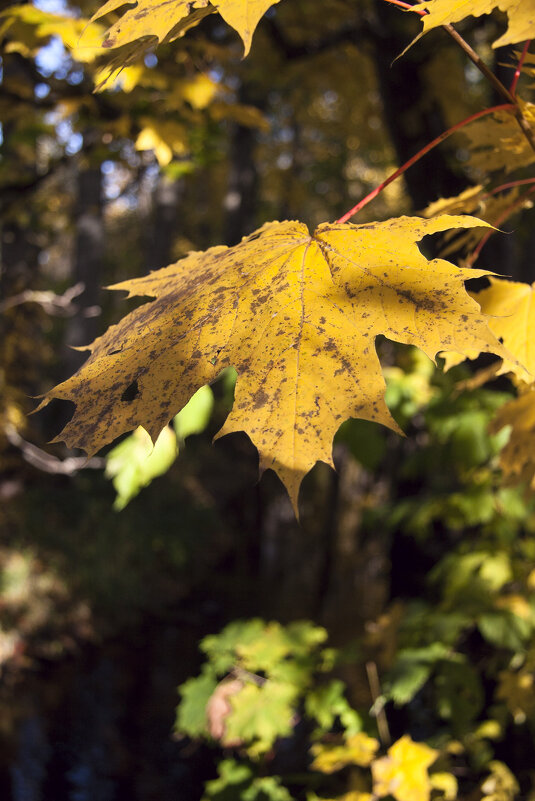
(517,458)
(516,688)
(199,91)
(249,116)
(511,316)
(520,15)
(501,785)
(445,783)
(403,773)
(297,316)
(359,749)
(493,208)
(81,38)
(169,19)
(165,138)
(497,142)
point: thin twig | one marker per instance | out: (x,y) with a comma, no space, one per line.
(418,156)
(46,462)
(375,690)
(61,305)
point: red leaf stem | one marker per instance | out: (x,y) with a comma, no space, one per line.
(373,194)
(519,66)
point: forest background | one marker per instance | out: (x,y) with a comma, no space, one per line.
(401,663)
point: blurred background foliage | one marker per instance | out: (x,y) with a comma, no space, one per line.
(385,647)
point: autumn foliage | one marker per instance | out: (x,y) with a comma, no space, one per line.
(304,336)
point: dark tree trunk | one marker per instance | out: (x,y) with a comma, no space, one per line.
(241,199)
(166,199)
(87,264)
(413,120)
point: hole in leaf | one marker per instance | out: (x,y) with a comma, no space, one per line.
(131,392)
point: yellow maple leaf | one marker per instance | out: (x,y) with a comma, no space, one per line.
(517,458)
(511,316)
(166,20)
(297,316)
(403,773)
(358,749)
(520,15)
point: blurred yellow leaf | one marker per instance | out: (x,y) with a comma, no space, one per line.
(165,138)
(445,783)
(359,749)
(199,91)
(501,785)
(517,458)
(404,772)
(517,689)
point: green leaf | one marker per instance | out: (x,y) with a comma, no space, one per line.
(505,630)
(327,703)
(233,779)
(195,415)
(135,462)
(260,715)
(191,711)
(267,788)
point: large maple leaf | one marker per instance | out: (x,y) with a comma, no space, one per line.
(297,316)
(520,15)
(167,19)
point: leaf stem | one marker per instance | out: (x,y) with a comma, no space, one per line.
(509,185)
(406,6)
(518,70)
(369,197)
(505,214)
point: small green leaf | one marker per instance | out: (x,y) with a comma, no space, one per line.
(195,415)
(135,462)
(191,711)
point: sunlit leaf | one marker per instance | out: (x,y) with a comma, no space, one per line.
(403,773)
(297,316)
(520,15)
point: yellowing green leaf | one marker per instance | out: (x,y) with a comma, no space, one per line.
(136,461)
(194,417)
(520,15)
(260,715)
(403,773)
(360,749)
(297,315)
